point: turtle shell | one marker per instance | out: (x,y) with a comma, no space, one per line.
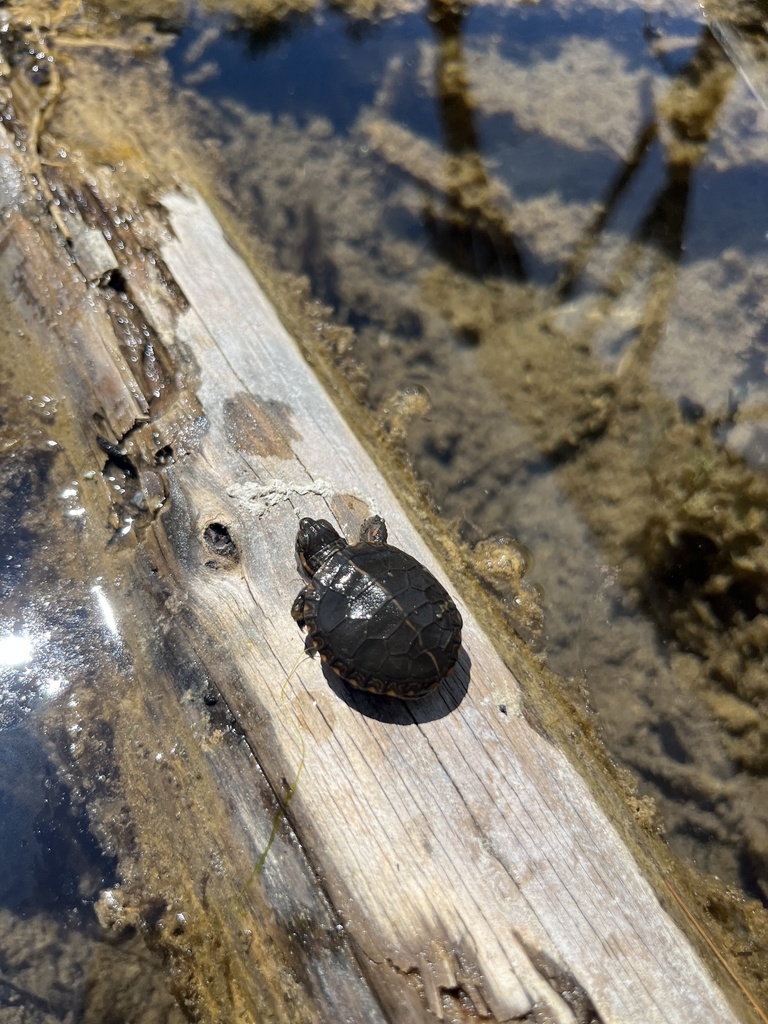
(382,621)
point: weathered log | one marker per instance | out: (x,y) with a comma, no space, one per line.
(334,856)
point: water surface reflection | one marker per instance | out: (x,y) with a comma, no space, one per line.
(531,216)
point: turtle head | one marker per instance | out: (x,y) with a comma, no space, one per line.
(316,541)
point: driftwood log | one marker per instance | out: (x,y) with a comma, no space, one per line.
(295,850)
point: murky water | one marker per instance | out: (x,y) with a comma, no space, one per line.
(59,645)
(544,222)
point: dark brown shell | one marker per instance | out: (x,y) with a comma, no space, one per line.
(382,621)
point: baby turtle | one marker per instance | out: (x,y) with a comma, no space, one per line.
(376,615)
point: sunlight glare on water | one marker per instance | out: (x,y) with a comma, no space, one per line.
(106,610)
(15,649)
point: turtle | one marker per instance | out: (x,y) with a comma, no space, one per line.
(375,614)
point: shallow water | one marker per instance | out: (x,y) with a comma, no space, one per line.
(59,963)
(60,644)
(546,223)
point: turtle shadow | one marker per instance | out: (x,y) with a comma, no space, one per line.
(441,702)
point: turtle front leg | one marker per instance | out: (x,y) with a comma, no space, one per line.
(297,611)
(374,531)
(297,608)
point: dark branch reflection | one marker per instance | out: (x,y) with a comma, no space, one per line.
(467,229)
(686,120)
